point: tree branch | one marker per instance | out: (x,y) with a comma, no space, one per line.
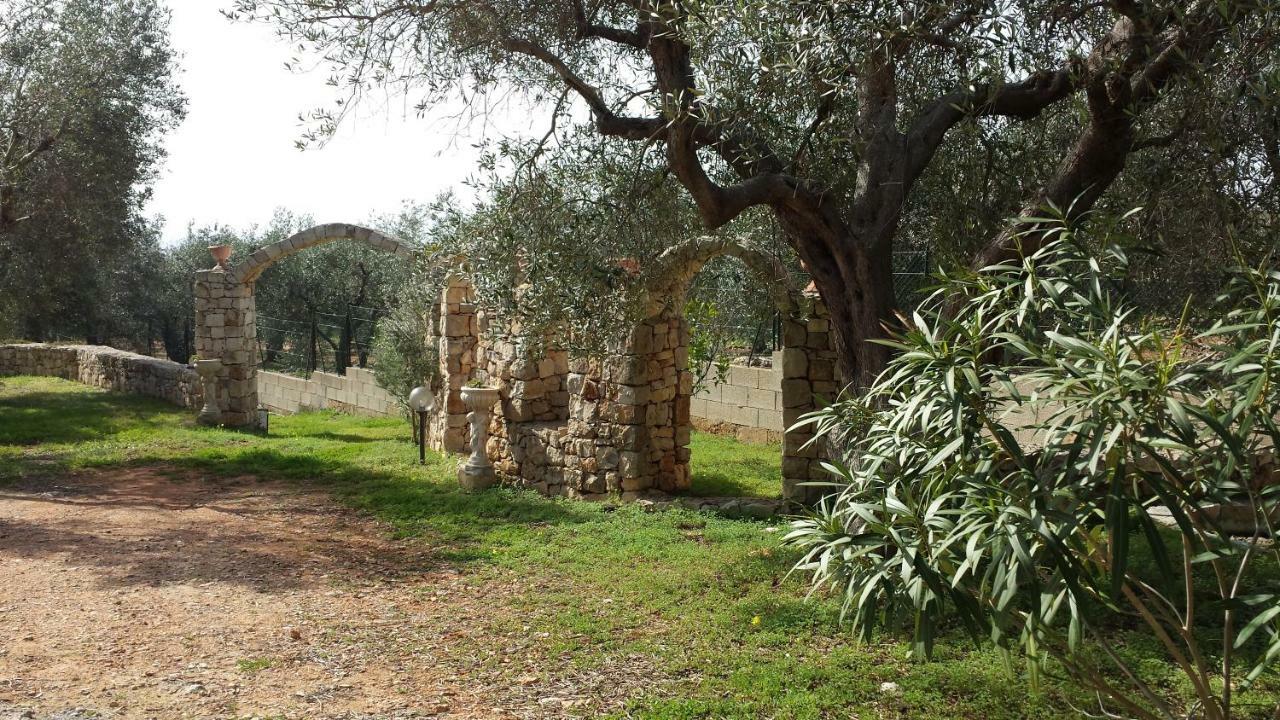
(638,38)
(607,121)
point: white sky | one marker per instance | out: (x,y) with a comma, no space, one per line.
(233,161)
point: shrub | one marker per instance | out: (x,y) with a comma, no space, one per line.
(404,352)
(1015,498)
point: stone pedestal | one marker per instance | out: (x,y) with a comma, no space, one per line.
(208,371)
(477,473)
(476,478)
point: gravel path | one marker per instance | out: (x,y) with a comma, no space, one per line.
(147,593)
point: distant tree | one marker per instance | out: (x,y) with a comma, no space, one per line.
(828,114)
(86,93)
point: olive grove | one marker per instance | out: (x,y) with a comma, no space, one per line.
(87,92)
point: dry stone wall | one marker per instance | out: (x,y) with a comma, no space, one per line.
(618,424)
(621,424)
(809,377)
(105,367)
(356,393)
(581,427)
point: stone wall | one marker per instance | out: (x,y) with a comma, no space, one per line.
(748,404)
(581,427)
(616,424)
(809,377)
(619,424)
(357,393)
(105,367)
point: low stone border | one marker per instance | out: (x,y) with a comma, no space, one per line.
(105,367)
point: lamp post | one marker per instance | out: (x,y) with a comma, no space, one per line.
(422,401)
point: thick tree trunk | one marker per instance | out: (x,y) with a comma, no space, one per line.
(859,296)
(854,276)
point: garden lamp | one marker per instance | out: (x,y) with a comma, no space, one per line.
(421,402)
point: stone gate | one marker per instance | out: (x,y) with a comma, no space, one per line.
(226,323)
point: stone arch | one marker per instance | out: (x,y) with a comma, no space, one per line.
(226,313)
(807,372)
(251,267)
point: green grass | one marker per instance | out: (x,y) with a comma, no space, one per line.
(253,665)
(676,592)
(726,466)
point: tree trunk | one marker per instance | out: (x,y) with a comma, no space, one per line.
(854,276)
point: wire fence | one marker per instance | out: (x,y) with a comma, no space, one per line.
(319,340)
(912,276)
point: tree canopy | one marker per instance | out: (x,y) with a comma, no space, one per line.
(87,91)
(852,123)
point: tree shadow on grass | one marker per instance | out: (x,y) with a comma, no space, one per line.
(414,500)
(719,483)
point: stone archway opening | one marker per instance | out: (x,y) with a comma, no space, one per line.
(226,313)
(805,375)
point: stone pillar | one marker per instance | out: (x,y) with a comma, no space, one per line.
(226,330)
(808,381)
(457,330)
(649,388)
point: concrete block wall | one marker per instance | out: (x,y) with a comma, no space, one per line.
(357,393)
(750,398)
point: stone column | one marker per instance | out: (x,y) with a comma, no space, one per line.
(648,387)
(226,330)
(456,334)
(808,380)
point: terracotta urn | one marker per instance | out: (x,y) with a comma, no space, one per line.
(220,253)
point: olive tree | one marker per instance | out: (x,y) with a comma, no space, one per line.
(87,92)
(824,113)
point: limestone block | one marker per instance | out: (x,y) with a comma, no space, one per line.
(795,363)
(827,389)
(641,341)
(794,334)
(711,391)
(745,376)
(698,407)
(795,467)
(762,399)
(631,394)
(797,393)
(821,369)
(657,415)
(770,420)
(746,416)
(716,411)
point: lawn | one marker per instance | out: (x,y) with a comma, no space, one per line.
(705,601)
(725,466)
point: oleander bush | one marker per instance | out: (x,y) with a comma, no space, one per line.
(1041,466)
